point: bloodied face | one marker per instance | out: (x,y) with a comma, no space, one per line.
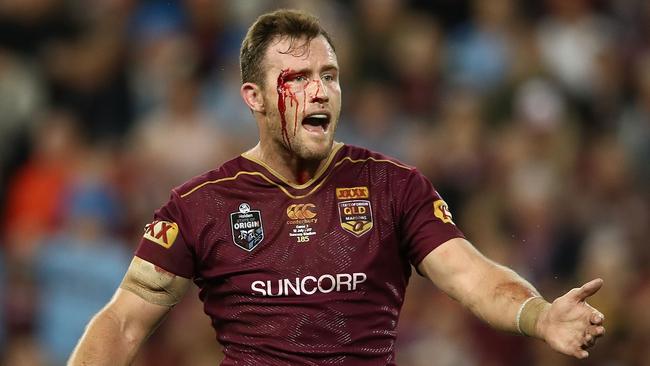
(302,96)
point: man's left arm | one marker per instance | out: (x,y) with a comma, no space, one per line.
(506,301)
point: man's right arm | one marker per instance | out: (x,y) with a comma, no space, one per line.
(115,334)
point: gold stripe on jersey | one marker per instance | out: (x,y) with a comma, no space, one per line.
(337,146)
(284,190)
(373,159)
(261,175)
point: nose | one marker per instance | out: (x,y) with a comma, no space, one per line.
(318,93)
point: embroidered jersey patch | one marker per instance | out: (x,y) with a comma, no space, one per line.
(246,226)
(441,210)
(352,193)
(162,233)
(356,216)
(301,211)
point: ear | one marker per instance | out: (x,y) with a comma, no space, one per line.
(252,95)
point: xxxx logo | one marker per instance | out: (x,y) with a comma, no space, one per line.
(352,193)
(162,233)
(301,211)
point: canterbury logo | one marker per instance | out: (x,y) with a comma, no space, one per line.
(352,193)
(162,233)
(301,211)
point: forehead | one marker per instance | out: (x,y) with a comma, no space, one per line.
(282,54)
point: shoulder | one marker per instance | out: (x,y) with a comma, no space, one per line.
(385,168)
(227,171)
(358,155)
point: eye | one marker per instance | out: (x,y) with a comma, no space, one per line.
(300,78)
(328,77)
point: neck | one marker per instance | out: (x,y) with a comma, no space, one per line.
(292,168)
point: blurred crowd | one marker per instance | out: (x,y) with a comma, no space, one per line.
(531,118)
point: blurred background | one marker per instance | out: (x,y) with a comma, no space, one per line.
(532,119)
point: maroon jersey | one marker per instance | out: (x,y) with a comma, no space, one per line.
(310,274)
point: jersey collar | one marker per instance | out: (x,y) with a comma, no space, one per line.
(319,173)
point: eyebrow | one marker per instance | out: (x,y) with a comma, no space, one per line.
(306,70)
(329,67)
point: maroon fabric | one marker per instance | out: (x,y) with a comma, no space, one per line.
(323,286)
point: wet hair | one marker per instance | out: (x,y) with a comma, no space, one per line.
(294,24)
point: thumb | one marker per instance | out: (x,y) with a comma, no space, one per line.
(588,289)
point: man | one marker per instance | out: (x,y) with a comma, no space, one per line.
(302,246)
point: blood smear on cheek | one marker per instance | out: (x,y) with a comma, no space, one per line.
(284,92)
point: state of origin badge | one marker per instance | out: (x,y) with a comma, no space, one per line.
(247,229)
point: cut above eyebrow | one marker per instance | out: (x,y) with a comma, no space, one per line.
(293,73)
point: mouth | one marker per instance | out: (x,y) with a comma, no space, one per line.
(316,122)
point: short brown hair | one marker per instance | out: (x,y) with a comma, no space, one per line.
(283,23)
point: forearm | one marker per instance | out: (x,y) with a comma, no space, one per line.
(107,341)
(501,298)
(491,291)
(506,301)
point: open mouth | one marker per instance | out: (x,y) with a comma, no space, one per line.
(317,122)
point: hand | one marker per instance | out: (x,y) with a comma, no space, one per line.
(570,325)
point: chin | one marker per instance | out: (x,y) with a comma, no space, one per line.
(319,152)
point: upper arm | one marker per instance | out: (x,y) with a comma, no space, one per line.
(154,284)
(145,295)
(424,217)
(456,267)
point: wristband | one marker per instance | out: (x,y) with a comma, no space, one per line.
(526,315)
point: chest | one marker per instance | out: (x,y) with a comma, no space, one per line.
(338,227)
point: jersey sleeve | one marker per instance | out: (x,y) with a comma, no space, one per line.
(166,241)
(425,218)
